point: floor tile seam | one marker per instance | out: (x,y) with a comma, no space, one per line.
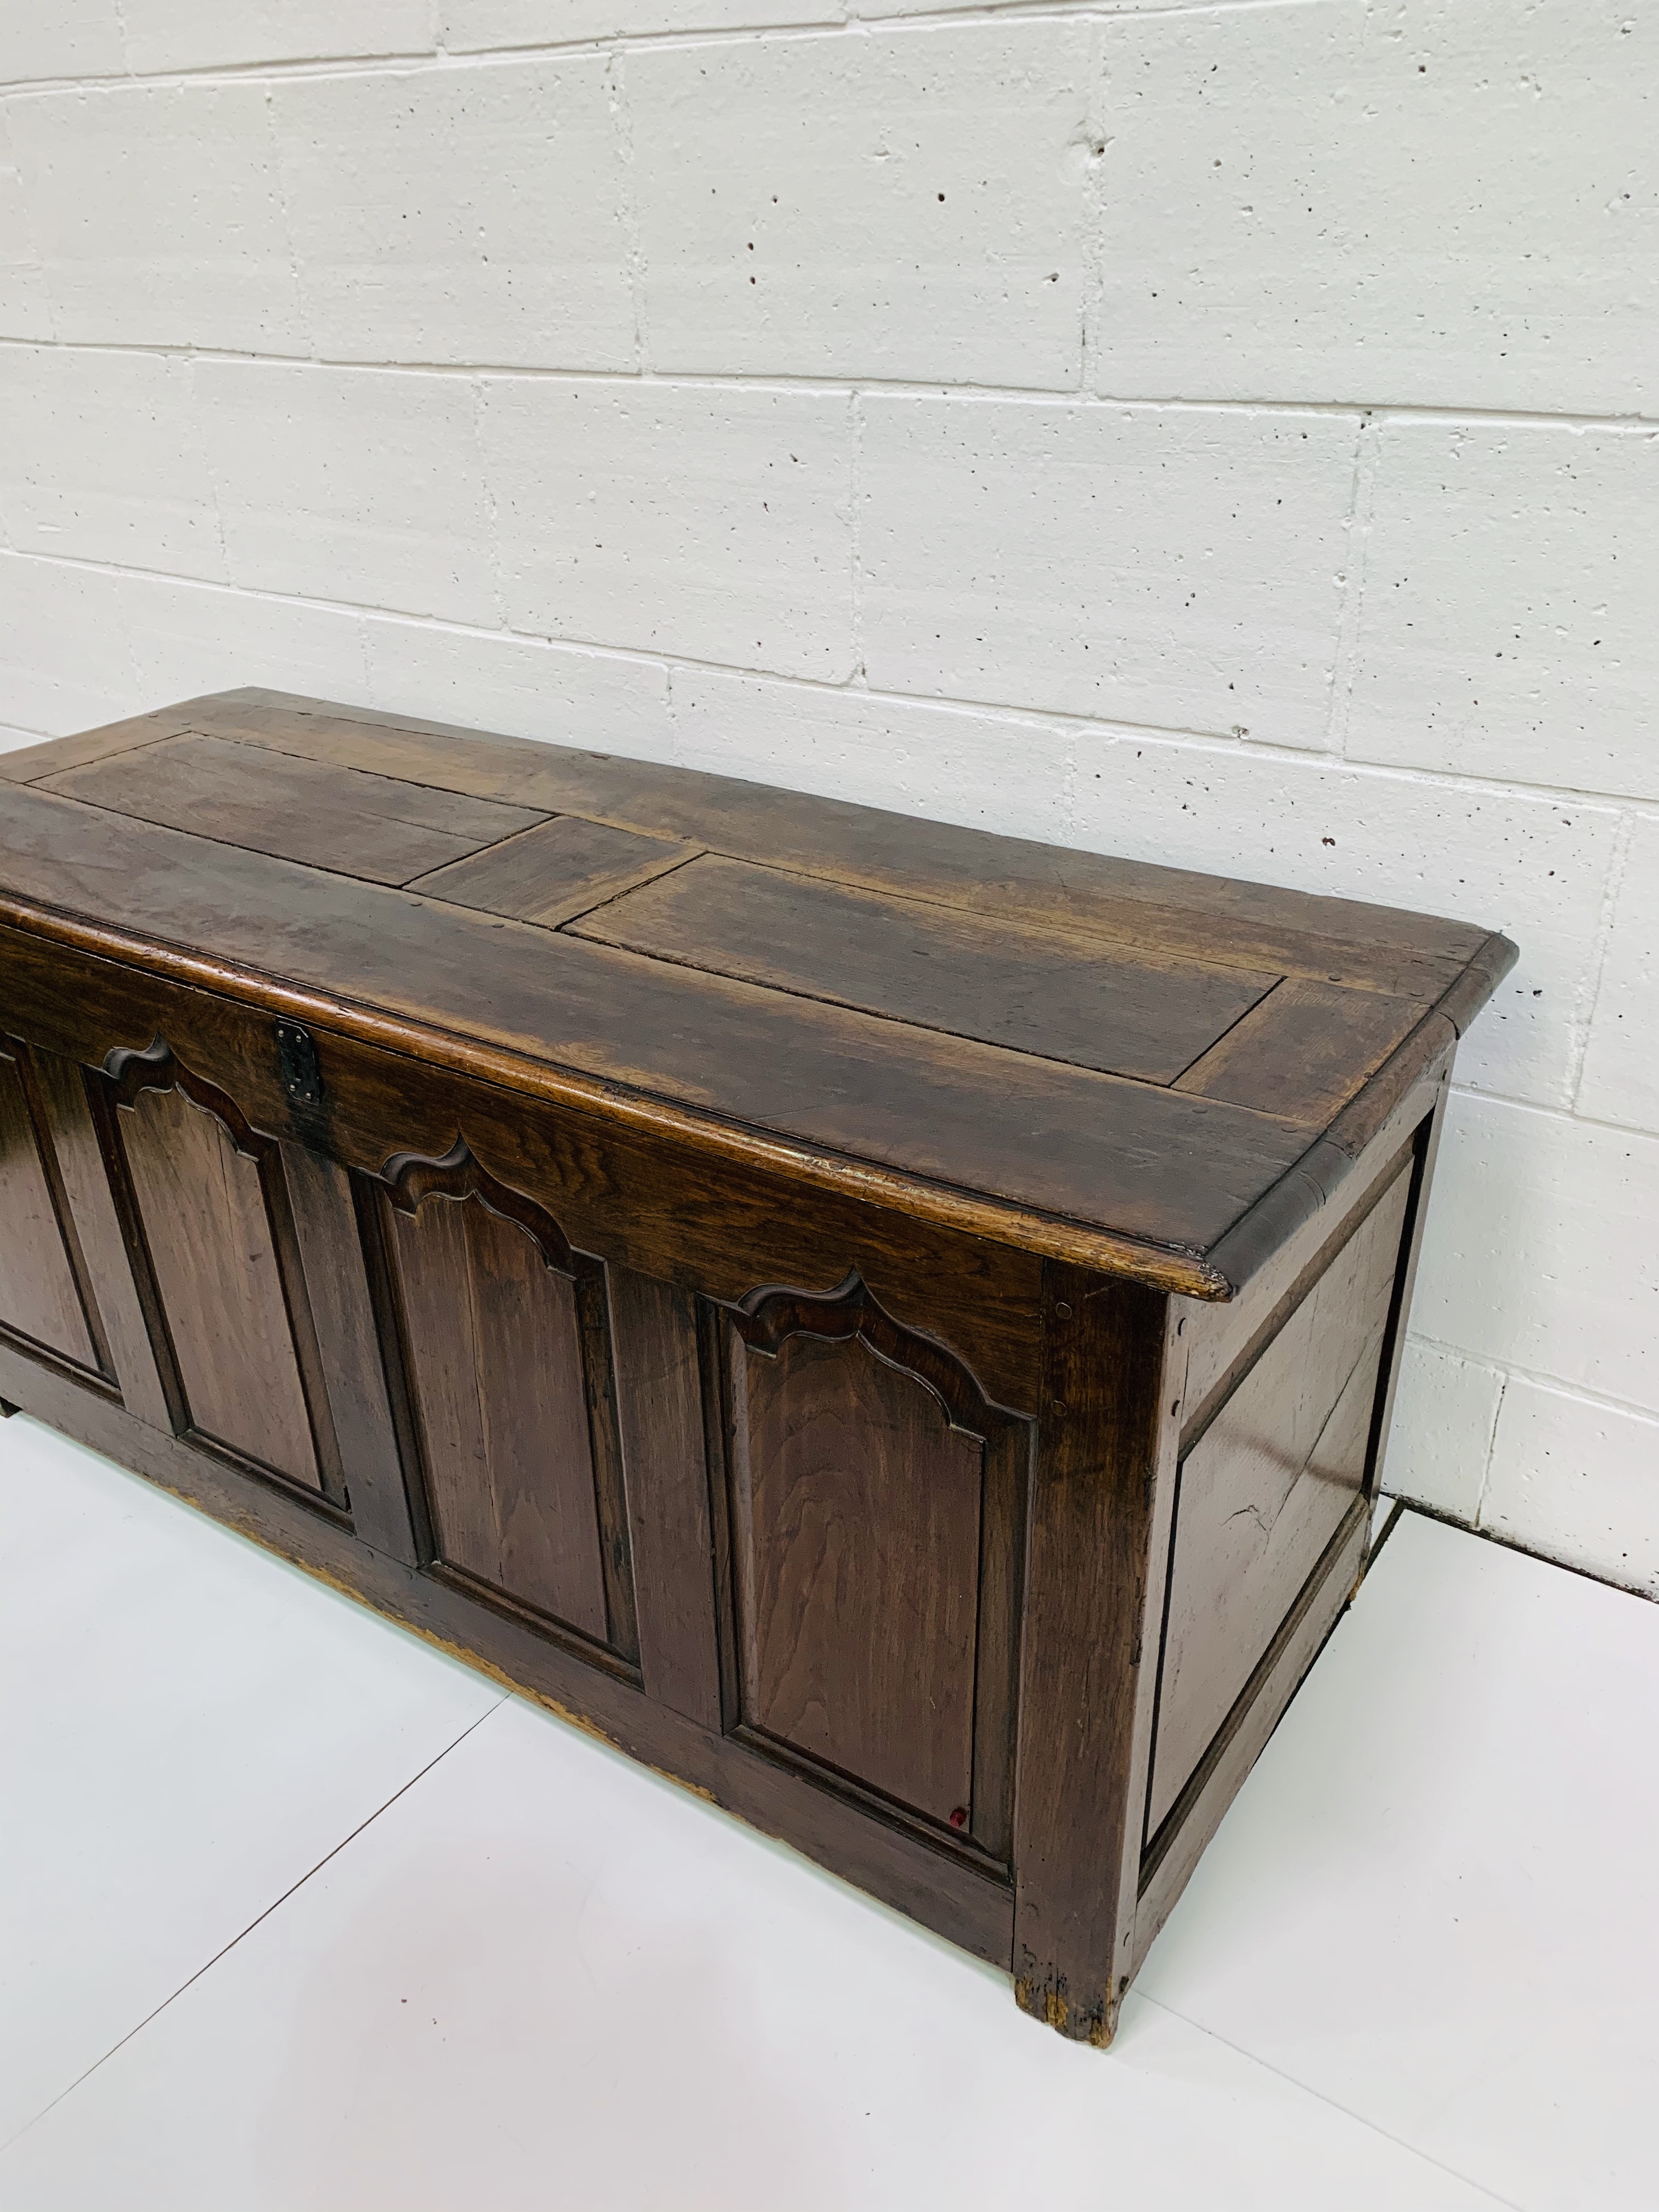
(258,1920)
(1360,2119)
(1503,1541)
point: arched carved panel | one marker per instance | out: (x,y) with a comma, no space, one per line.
(876,1514)
(224,1293)
(506,1348)
(44,1295)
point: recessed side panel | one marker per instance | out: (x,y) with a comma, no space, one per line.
(39,1298)
(1266,1486)
(875,1531)
(206,1206)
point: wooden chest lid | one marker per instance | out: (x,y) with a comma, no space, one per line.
(1131,1066)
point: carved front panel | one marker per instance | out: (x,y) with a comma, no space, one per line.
(506,1348)
(40,1297)
(230,1316)
(876,1515)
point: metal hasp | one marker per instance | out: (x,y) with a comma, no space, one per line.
(296,1056)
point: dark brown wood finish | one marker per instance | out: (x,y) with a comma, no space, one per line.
(664,1209)
(1037,1136)
(41,1289)
(109,1287)
(1305,1050)
(210,1225)
(1107,1426)
(556,872)
(1033,991)
(1121,901)
(378,827)
(505,1348)
(894,1327)
(876,1515)
(332,1255)
(654,1330)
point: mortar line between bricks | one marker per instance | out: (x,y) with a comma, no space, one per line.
(830,385)
(1515,1370)
(860,677)
(1112,730)
(279,180)
(1554,1113)
(121,33)
(1356,539)
(621,126)
(417,60)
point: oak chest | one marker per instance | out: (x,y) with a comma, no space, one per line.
(894,1327)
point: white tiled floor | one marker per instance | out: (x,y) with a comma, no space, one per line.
(300,1914)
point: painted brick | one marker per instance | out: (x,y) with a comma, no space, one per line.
(470,25)
(467,215)
(186,638)
(1441,1438)
(1533,866)
(948,763)
(1578,1480)
(102,461)
(1411,203)
(1177,567)
(520,686)
(63,659)
(182,34)
(24,307)
(690,519)
(1542,1249)
(359,485)
(904,205)
(884,11)
(155,211)
(75,38)
(1621,1081)
(1507,625)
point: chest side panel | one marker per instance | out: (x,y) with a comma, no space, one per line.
(1265,1485)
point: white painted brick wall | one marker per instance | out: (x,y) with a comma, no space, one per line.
(1510,615)
(1174,566)
(156,214)
(1250,462)
(708,520)
(1400,200)
(352,485)
(909,206)
(102,459)
(471,215)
